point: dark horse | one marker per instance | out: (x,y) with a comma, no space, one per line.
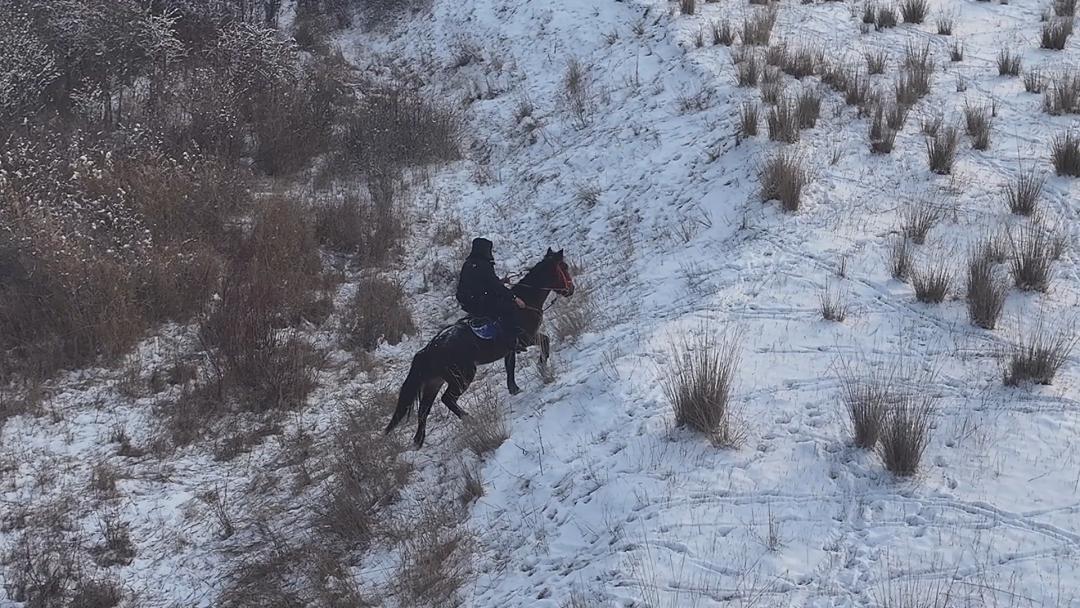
(451,357)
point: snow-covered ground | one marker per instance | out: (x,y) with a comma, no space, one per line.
(596,492)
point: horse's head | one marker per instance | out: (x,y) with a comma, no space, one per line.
(557,275)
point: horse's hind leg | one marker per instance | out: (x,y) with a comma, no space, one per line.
(427,398)
(457,382)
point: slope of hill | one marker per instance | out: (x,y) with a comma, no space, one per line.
(606,129)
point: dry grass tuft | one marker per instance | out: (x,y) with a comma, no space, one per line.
(916,220)
(1065,154)
(783,177)
(905,433)
(932,283)
(941,150)
(900,259)
(914,11)
(977,121)
(698,385)
(783,121)
(1022,194)
(376,312)
(1008,63)
(985,291)
(749,119)
(1032,260)
(486,427)
(1037,357)
(1056,32)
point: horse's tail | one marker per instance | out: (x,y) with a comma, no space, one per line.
(410,390)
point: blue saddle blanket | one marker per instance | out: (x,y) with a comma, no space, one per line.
(483,328)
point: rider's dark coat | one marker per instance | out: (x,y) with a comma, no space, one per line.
(479,290)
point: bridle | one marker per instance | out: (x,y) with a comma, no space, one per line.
(566,284)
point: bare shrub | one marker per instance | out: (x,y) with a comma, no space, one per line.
(985,292)
(42,569)
(977,120)
(932,283)
(486,427)
(103,479)
(803,61)
(698,385)
(1022,194)
(116,547)
(1038,356)
(886,17)
(914,11)
(688,7)
(1008,62)
(900,259)
(577,94)
(100,593)
(882,137)
(783,177)
(748,119)
(941,150)
(757,28)
(1032,259)
(1034,81)
(783,121)
(876,61)
(956,52)
(833,307)
(1063,94)
(376,312)
(748,70)
(905,433)
(394,127)
(945,24)
(435,560)
(1056,32)
(917,220)
(366,473)
(867,395)
(808,108)
(723,33)
(1065,154)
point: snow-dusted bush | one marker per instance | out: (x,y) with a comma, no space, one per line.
(905,432)
(699,382)
(376,312)
(1037,356)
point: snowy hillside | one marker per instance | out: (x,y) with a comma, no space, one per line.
(598,498)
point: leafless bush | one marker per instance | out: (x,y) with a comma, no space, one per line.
(876,61)
(916,220)
(1032,258)
(900,259)
(1038,356)
(886,17)
(1055,33)
(772,91)
(577,94)
(803,61)
(914,11)
(99,593)
(376,311)
(1065,154)
(941,150)
(933,282)
(394,128)
(1034,81)
(42,569)
(1008,62)
(808,108)
(882,137)
(905,433)
(867,395)
(748,70)
(1063,94)
(748,119)
(435,560)
(723,33)
(833,307)
(956,52)
(783,177)
(977,120)
(985,292)
(1022,193)
(116,547)
(486,427)
(783,121)
(698,385)
(945,24)
(366,473)
(103,479)
(757,28)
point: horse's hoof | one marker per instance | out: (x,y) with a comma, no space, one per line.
(514,389)
(418,443)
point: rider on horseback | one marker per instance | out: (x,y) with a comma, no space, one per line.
(481,293)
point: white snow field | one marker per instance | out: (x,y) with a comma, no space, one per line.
(597,496)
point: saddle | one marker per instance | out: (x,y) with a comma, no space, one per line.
(483,327)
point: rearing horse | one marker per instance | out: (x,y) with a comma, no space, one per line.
(451,357)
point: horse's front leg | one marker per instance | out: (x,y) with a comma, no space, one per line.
(545,346)
(511,362)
